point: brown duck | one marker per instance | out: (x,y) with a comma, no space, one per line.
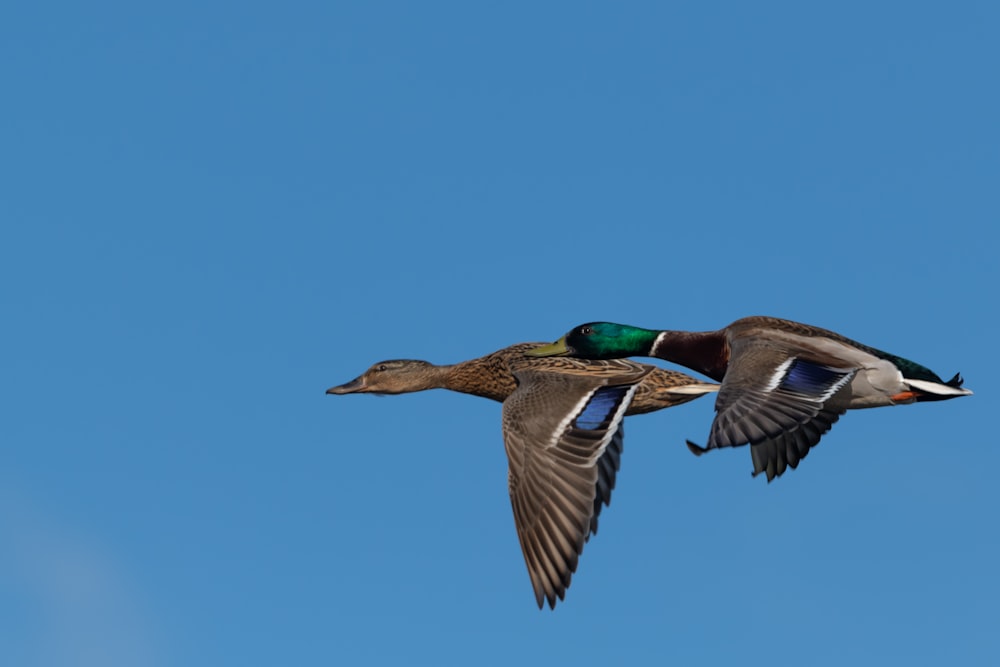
(562,429)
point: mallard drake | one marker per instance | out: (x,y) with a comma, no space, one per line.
(563,435)
(784,384)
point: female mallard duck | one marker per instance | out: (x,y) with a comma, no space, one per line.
(562,430)
(784,384)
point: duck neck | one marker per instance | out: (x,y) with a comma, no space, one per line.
(706,352)
(485,377)
(430,376)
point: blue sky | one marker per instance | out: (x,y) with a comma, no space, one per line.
(214,211)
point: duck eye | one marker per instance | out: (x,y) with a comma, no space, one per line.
(586,331)
(381,367)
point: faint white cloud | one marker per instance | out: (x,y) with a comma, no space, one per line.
(70,602)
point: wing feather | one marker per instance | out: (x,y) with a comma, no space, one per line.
(563,440)
(778,402)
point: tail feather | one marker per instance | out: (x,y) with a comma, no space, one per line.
(938,391)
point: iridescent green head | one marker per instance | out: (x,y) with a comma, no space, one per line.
(601,340)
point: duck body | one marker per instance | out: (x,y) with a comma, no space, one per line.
(492,376)
(784,383)
(759,345)
(563,436)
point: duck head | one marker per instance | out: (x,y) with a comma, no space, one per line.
(600,340)
(393,376)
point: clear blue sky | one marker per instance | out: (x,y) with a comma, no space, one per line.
(214,211)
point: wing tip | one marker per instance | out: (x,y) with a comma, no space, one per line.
(695,448)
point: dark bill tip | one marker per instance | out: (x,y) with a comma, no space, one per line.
(355,385)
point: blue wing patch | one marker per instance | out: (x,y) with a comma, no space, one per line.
(804,377)
(600,408)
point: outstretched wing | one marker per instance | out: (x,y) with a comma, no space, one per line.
(779,402)
(563,442)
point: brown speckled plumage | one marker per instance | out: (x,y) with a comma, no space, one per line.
(491,376)
(563,450)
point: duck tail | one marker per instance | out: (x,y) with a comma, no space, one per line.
(938,391)
(956,381)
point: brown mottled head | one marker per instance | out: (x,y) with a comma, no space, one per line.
(393,376)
